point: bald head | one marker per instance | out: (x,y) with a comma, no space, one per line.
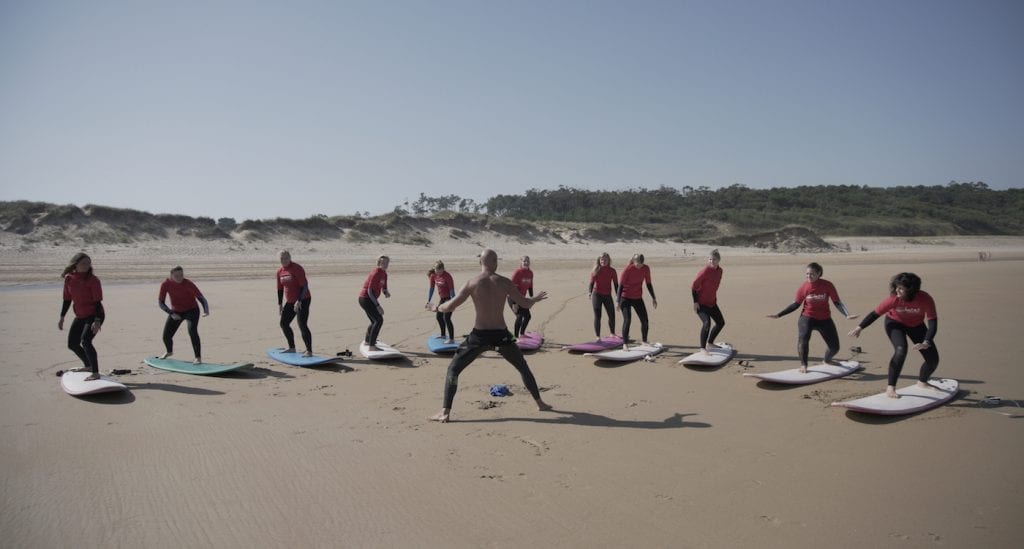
(489,259)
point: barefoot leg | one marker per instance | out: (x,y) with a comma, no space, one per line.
(890,391)
(542,406)
(442,416)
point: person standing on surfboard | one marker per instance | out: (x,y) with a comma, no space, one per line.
(814,295)
(375,284)
(489,290)
(631,296)
(705,300)
(522,278)
(184,295)
(293,300)
(442,280)
(83,289)
(908,310)
(602,278)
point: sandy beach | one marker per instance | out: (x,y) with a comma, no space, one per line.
(644,454)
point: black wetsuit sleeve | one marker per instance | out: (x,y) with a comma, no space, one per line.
(868,319)
(101,315)
(792,307)
(64,308)
(933,328)
(696,294)
(650,288)
(530,291)
(280,297)
(590,287)
(304,292)
(205,303)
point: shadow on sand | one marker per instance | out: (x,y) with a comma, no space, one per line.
(675,421)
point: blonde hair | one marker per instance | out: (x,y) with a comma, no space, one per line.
(597,262)
(74,263)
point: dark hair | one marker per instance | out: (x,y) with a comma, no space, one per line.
(74,263)
(816,268)
(715,255)
(910,281)
(177,268)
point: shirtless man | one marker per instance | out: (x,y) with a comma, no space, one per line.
(489,291)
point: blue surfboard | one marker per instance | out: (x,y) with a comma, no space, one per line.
(201,369)
(439,345)
(296,358)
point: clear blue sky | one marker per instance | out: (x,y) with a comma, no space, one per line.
(251,109)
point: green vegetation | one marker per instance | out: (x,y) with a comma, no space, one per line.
(953,209)
(780,218)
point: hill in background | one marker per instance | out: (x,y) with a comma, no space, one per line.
(782,219)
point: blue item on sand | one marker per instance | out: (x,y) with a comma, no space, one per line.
(500,391)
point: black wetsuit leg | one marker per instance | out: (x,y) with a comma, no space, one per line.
(287,315)
(444,321)
(307,336)
(707,332)
(376,320)
(468,351)
(171,328)
(598,301)
(80,336)
(898,335)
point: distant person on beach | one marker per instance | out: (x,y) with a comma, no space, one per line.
(631,290)
(705,300)
(909,313)
(489,291)
(82,288)
(441,280)
(184,294)
(522,278)
(814,295)
(375,284)
(603,279)
(293,300)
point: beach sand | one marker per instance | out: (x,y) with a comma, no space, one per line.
(644,454)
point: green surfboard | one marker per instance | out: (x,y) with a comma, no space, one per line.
(202,369)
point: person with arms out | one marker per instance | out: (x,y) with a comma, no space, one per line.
(705,300)
(376,283)
(444,283)
(814,295)
(489,291)
(909,313)
(603,279)
(631,296)
(522,278)
(184,295)
(83,289)
(293,300)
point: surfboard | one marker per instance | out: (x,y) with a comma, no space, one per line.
(202,369)
(912,399)
(385,352)
(634,352)
(814,374)
(718,355)
(603,344)
(530,341)
(74,384)
(296,358)
(440,345)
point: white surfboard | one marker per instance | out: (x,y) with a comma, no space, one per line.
(74,383)
(384,352)
(633,352)
(814,374)
(716,356)
(912,399)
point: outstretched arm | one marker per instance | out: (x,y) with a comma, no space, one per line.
(452,304)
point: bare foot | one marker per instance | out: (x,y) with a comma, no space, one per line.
(926,385)
(198,360)
(92,377)
(543,406)
(705,352)
(308,353)
(450,340)
(166,355)
(803,368)
(372,348)
(289,350)
(441,416)
(625,347)
(890,392)
(832,362)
